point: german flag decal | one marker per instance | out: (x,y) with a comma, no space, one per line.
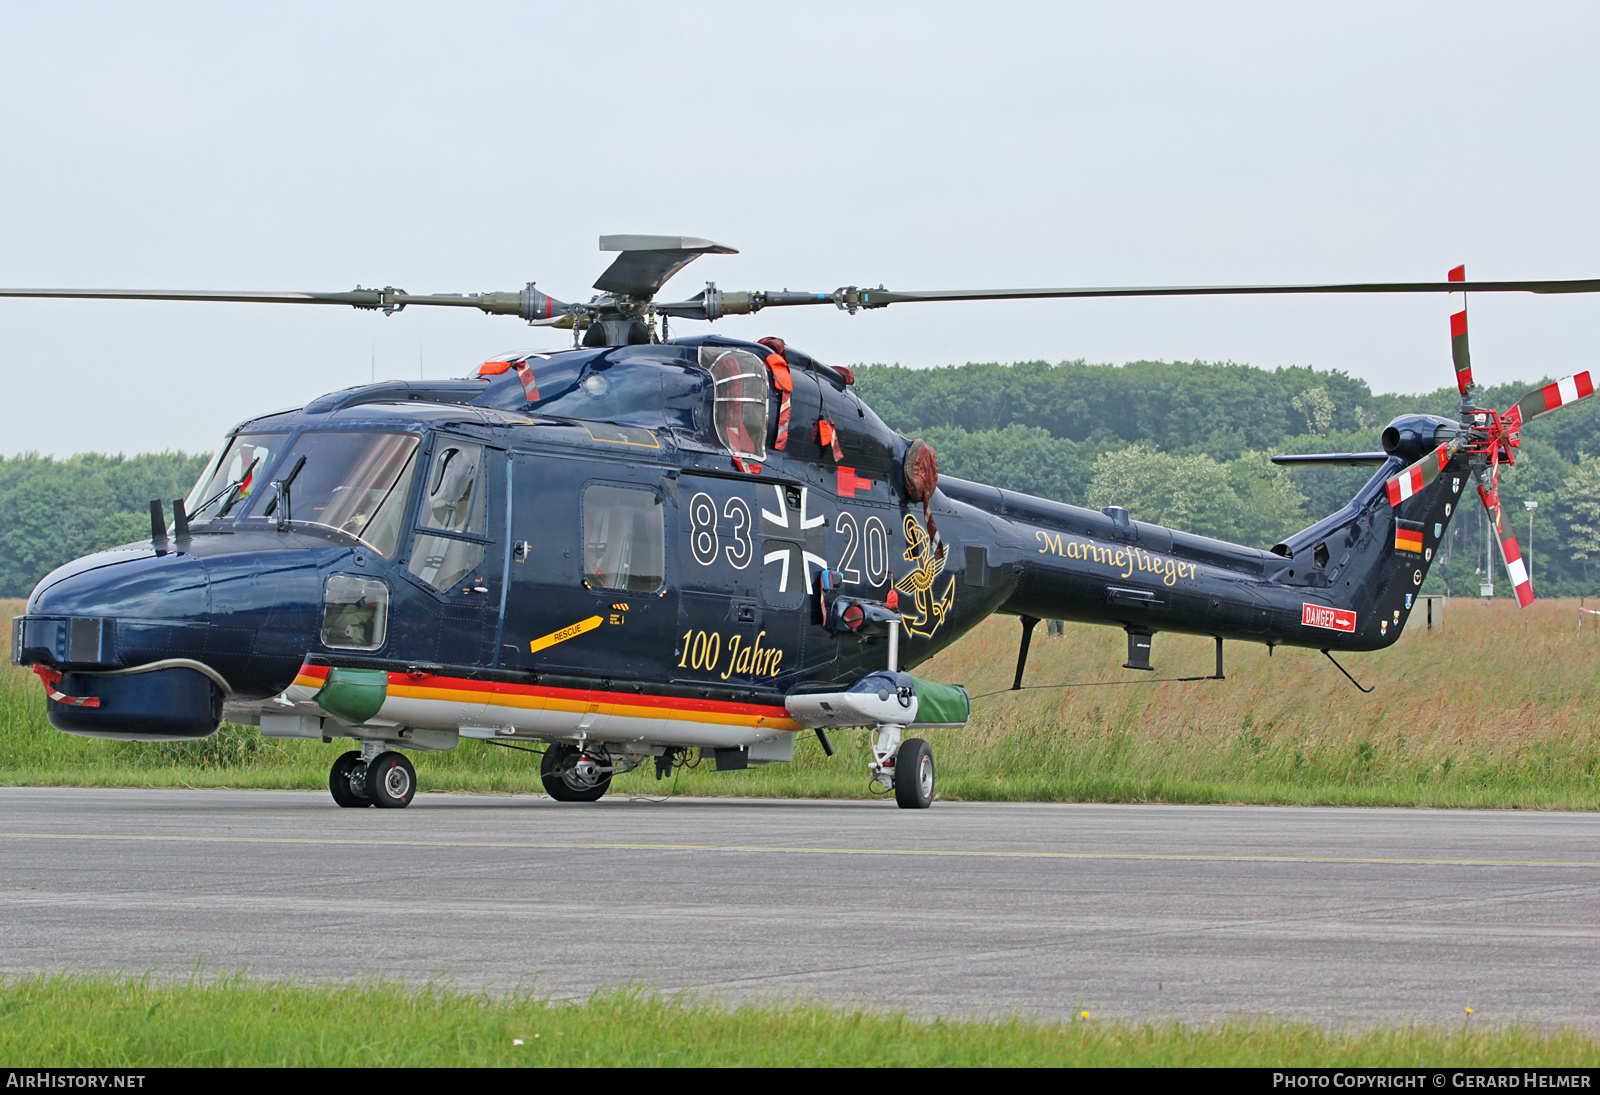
(1408,536)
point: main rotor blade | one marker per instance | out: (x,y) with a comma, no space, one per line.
(715,303)
(529,303)
(873,298)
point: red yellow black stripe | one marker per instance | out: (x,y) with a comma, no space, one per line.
(544,697)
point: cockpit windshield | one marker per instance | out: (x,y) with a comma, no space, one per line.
(233,476)
(356,481)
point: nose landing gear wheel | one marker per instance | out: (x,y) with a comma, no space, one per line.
(569,775)
(913,775)
(347,781)
(391,781)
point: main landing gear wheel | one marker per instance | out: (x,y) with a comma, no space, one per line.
(570,775)
(913,775)
(391,781)
(348,781)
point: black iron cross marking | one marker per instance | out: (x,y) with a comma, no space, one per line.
(796,524)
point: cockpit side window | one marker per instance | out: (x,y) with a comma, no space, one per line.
(739,407)
(452,502)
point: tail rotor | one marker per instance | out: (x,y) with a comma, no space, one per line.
(1487,439)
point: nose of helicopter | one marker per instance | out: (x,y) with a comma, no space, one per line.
(138,645)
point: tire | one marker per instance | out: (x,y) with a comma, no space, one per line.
(562,784)
(913,775)
(339,782)
(391,781)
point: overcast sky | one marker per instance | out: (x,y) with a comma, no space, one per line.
(462,147)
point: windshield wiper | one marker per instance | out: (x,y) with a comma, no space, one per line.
(280,492)
(232,491)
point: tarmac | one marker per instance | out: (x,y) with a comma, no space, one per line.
(1342,917)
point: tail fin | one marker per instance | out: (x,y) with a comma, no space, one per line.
(1373,556)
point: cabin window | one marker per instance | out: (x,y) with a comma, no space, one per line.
(624,539)
(355,612)
(739,408)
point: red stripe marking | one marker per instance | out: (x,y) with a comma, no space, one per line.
(582,695)
(1584,384)
(1552,396)
(1513,553)
(1458,274)
(1393,487)
(1458,324)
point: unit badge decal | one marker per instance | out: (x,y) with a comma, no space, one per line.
(928,607)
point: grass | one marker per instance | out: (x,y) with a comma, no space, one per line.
(106,1021)
(1495,709)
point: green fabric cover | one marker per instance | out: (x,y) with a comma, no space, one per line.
(353,695)
(946,703)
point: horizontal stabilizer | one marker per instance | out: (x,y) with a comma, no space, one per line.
(1336,459)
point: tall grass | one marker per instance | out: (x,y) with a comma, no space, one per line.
(1496,708)
(101,1021)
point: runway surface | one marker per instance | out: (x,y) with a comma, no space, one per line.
(1198,913)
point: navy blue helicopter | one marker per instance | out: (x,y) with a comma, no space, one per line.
(648,549)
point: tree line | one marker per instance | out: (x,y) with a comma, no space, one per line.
(1186,444)
(52,511)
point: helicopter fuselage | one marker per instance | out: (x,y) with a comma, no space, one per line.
(592,546)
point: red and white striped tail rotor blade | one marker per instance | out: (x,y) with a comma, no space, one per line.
(1458,333)
(1517,571)
(1510,554)
(1411,480)
(1490,497)
(1552,396)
